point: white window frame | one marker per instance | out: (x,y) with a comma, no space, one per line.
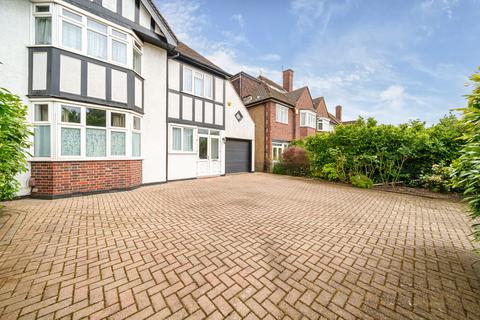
(106,34)
(182,143)
(281,114)
(139,131)
(57,29)
(125,130)
(137,47)
(280,147)
(107,146)
(42,15)
(325,124)
(49,123)
(201,75)
(81,125)
(308,119)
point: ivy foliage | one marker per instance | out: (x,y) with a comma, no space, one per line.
(467,169)
(14,142)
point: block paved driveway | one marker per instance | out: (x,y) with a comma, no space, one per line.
(242,246)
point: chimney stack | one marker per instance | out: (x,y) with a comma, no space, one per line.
(338,113)
(288,80)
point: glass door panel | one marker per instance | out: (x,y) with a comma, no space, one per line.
(215,147)
(203,148)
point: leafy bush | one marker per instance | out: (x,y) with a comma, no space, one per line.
(329,172)
(385,153)
(361,181)
(14,141)
(467,168)
(278,168)
(295,161)
(439,180)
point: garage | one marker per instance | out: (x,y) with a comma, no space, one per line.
(237,156)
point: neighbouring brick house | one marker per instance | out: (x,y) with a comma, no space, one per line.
(281,114)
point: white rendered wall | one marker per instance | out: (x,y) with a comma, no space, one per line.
(182,166)
(15,37)
(244,129)
(154,120)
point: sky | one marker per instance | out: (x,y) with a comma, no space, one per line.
(394,60)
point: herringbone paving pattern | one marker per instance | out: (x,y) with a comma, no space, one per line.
(251,246)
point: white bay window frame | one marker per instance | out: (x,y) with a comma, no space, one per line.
(114,32)
(308,119)
(56,124)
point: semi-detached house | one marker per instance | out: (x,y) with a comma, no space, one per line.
(115,99)
(281,114)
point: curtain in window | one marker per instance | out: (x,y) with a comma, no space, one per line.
(41,141)
(177,139)
(41,112)
(43,30)
(187,80)
(187,139)
(117,143)
(199,86)
(70,142)
(97,44)
(208,87)
(96,143)
(71,35)
(118,120)
(119,52)
(136,144)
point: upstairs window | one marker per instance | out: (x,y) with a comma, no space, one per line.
(97,39)
(320,125)
(208,87)
(281,114)
(198,82)
(71,30)
(307,119)
(119,46)
(43,25)
(187,80)
(137,58)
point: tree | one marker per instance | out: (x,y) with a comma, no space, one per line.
(14,142)
(467,167)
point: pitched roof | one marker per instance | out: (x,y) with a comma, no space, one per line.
(321,107)
(264,92)
(333,118)
(271,83)
(188,52)
(164,27)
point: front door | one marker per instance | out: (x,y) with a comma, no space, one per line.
(208,163)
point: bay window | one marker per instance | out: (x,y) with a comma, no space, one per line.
(43,25)
(137,59)
(71,30)
(136,137)
(119,47)
(281,114)
(97,39)
(86,132)
(307,119)
(208,87)
(42,131)
(96,133)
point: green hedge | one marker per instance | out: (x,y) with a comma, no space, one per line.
(14,142)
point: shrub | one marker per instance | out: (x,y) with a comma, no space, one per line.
(467,169)
(438,180)
(361,181)
(278,168)
(295,161)
(14,142)
(329,172)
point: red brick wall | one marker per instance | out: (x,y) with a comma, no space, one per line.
(244,85)
(281,131)
(73,177)
(307,131)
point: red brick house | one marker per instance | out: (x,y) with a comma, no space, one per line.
(281,114)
